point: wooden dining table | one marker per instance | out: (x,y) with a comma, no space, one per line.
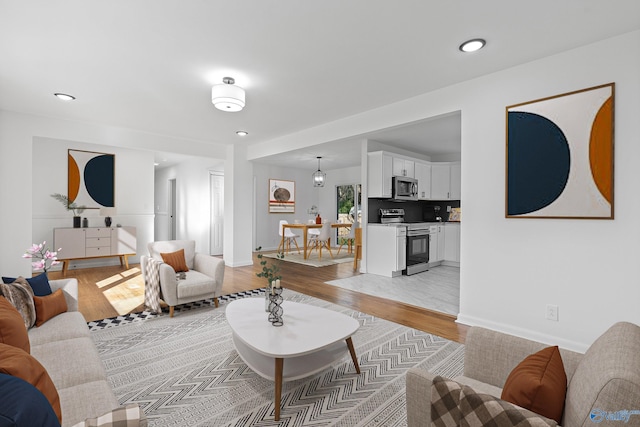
(305,229)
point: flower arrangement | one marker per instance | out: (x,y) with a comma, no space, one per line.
(68,204)
(270,271)
(45,258)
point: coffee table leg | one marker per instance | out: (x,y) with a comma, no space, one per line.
(353,354)
(278,390)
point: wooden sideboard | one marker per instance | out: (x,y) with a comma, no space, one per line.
(94,242)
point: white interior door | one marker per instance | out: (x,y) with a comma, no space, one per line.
(217,213)
(172,209)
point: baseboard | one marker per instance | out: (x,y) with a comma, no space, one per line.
(529,334)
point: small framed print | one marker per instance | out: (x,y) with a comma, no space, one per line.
(282,196)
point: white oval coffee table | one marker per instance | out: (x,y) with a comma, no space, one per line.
(310,340)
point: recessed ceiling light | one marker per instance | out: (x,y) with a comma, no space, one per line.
(472,45)
(64,96)
(242,133)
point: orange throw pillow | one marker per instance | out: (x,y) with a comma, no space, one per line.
(18,363)
(539,384)
(49,306)
(12,329)
(176,260)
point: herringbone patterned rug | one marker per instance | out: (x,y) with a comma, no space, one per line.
(184,371)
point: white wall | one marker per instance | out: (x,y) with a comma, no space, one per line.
(133,192)
(193,200)
(512,268)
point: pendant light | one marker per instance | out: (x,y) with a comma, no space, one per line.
(227,96)
(318,176)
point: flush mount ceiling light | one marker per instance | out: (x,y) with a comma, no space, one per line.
(227,96)
(472,45)
(318,176)
(64,96)
(242,133)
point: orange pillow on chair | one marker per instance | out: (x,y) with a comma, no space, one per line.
(176,260)
(539,384)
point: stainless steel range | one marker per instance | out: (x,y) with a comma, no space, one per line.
(417,251)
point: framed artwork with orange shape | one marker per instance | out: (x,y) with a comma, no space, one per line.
(91,179)
(559,156)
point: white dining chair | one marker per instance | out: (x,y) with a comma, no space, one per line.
(289,236)
(322,240)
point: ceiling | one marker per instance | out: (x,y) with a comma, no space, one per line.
(149,65)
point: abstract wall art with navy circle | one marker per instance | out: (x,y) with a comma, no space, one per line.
(91,179)
(560,156)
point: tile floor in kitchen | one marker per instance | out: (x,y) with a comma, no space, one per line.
(437,289)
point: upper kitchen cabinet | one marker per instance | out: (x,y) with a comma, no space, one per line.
(403,167)
(423,175)
(380,171)
(445,181)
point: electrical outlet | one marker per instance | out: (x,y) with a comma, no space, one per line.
(552,312)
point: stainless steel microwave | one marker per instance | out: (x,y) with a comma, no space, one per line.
(405,188)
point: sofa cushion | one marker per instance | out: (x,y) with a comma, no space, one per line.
(480,410)
(607,378)
(39,284)
(86,400)
(20,295)
(125,416)
(24,405)
(18,363)
(49,306)
(55,357)
(539,384)
(176,260)
(62,327)
(12,329)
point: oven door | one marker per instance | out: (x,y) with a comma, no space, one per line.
(417,251)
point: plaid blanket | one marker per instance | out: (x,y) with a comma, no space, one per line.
(152,291)
(454,404)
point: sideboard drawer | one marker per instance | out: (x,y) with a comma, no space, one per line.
(98,242)
(98,232)
(98,251)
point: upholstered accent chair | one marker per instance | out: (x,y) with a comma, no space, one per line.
(202,280)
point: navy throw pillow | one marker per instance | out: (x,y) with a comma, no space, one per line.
(23,405)
(39,284)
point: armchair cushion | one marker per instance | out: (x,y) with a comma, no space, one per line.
(167,246)
(454,404)
(176,260)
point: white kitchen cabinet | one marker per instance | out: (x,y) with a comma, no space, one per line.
(403,167)
(423,175)
(452,243)
(379,173)
(94,242)
(456,181)
(386,250)
(445,181)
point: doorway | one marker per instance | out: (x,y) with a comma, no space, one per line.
(172,208)
(216,230)
(349,208)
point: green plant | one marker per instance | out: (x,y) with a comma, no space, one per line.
(270,270)
(68,204)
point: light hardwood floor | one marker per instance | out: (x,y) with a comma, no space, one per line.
(101,287)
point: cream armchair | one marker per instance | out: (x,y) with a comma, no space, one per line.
(203,280)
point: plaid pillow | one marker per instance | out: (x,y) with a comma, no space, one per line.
(480,410)
(125,416)
(445,402)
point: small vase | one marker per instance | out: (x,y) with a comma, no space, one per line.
(76,221)
(275,307)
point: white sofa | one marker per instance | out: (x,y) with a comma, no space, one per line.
(64,347)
